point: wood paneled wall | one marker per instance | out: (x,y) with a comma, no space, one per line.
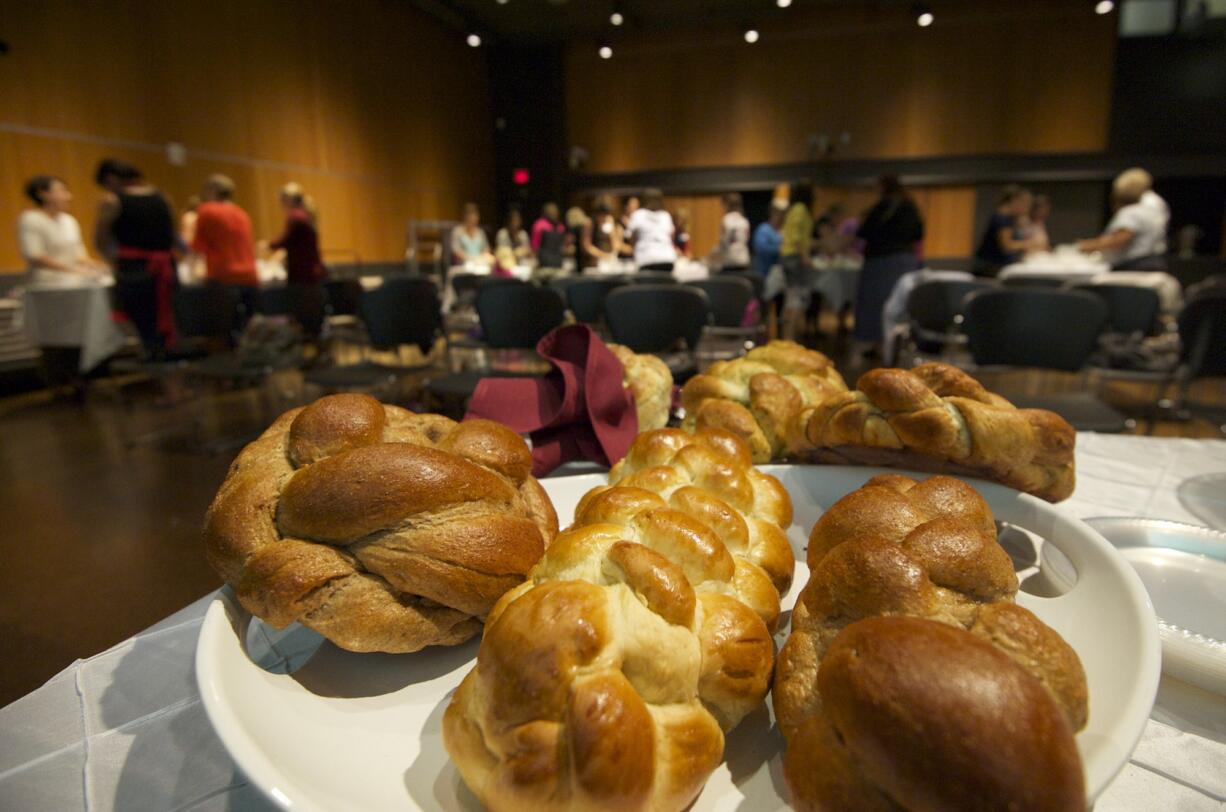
(990,77)
(380,112)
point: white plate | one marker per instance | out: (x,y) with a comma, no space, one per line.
(1184,569)
(363,732)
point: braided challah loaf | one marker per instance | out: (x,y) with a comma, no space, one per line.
(606,680)
(650,382)
(381,529)
(937,418)
(897,549)
(758,397)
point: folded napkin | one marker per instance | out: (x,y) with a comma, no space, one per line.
(580,410)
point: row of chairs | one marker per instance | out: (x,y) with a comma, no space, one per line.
(1060,329)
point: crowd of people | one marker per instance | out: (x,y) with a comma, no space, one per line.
(137,236)
(140,243)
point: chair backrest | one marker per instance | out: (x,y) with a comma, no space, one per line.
(653,318)
(1048,329)
(206,311)
(403,310)
(753,278)
(273,301)
(652,278)
(1202,332)
(1130,308)
(727,297)
(343,296)
(517,314)
(1034,282)
(937,304)
(586,297)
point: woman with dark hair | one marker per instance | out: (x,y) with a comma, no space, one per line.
(1003,242)
(602,234)
(549,237)
(136,231)
(733,235)
(49,237)
(651,232)
(514,236)
(891,230)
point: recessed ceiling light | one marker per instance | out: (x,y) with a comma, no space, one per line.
(502,2)
(616,18)
(1104,7)
(751,36)
(783,3)
(924,19)
(474,41)
(606,52)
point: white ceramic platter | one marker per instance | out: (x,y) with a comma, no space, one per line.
(1183,568)
(350,731)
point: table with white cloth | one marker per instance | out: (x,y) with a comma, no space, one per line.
(1066,263)
(125,730)
(835,281)
(76,315)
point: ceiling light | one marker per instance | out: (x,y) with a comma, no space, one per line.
(474,40)
(1104,7)
(924,19)
(502,2)
(616,18)
(783,3)
(605,52)
(751,36)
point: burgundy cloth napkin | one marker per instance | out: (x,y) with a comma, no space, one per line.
(580,410)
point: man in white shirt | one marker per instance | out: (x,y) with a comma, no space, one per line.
(1137,231)
(651,231)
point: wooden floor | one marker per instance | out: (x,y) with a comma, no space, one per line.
(103,500)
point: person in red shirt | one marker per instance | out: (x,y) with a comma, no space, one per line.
(299,244)
(223,238)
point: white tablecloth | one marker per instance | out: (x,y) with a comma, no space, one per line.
(72,316)
(125,730)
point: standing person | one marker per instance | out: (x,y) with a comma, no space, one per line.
(651,232)
(304,269)
(50,238)
(1136,236)
(794,257)
(767,240)
(602,236)
(514,236)
(890,230)
(223,237)
(1004,241)
(135,229)
(1035,230)
(733,235)
(549,237)
(468,240)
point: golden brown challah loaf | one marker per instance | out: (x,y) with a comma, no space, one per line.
(381,529)
(759,396)
(937,418)
(607,679)
(928,550)
(650,382)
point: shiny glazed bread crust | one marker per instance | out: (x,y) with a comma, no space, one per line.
(381,529)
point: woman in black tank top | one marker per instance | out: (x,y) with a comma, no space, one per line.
(136,231)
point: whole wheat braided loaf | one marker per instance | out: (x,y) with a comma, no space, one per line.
(381,529)
(607,679)
(937,418)
(960,719)
(757,397)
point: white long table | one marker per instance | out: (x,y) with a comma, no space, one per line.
(125,730)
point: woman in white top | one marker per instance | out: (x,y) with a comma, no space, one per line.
(734,235)
(50,238)
(651,232)
(1136,236)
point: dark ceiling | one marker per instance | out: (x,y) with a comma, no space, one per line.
(536,21)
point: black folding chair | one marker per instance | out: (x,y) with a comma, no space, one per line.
(1042,329)
(934,313)
(1130,308)
(1049,282)
(651,278)
(404,310)
(272,301)
(656,319)
(728,298)
(586,297)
